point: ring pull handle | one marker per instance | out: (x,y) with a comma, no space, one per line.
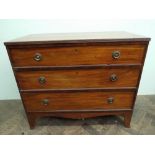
(45,102)
(42,80)
(113,77)
(38,57)
(110,100)
(116,54)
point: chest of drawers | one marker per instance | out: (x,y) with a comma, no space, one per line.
(78,75)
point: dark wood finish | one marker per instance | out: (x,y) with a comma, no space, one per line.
(31,119)
(85,78)
(77,68)
(127,119)
(33,116)
(41,68)
(146,47)
(68,39)
(89,55)
(119,89)
(77,101)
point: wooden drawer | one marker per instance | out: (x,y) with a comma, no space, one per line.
(70,56)
(77,101)
(79,78)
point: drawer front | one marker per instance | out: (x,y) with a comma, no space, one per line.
(70,56)
(79,78)
(77,101)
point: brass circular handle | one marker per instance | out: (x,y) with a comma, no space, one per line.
(45,101)
(113,77)
(42,80)
(110,100)
(116,54)
(38,57)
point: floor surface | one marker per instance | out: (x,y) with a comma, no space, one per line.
(13,121)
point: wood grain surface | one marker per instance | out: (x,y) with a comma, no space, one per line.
(68,56)
(85,78)
(76,71)
(77,101)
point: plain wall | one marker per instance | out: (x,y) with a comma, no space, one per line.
(10,29)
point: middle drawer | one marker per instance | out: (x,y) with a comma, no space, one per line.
(78,78)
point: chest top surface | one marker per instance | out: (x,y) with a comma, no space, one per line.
(77,37)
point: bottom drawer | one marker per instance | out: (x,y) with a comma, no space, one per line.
(48,102)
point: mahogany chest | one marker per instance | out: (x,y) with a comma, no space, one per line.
(78,75)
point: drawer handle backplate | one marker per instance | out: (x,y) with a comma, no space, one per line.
(38,57)
(116,54)
(113,77)
(42,80)
(45,102)
(110,100)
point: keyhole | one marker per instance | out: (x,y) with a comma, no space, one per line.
(76,51)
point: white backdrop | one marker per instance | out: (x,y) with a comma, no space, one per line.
(10,29)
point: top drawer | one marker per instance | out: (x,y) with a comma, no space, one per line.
(70,56)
